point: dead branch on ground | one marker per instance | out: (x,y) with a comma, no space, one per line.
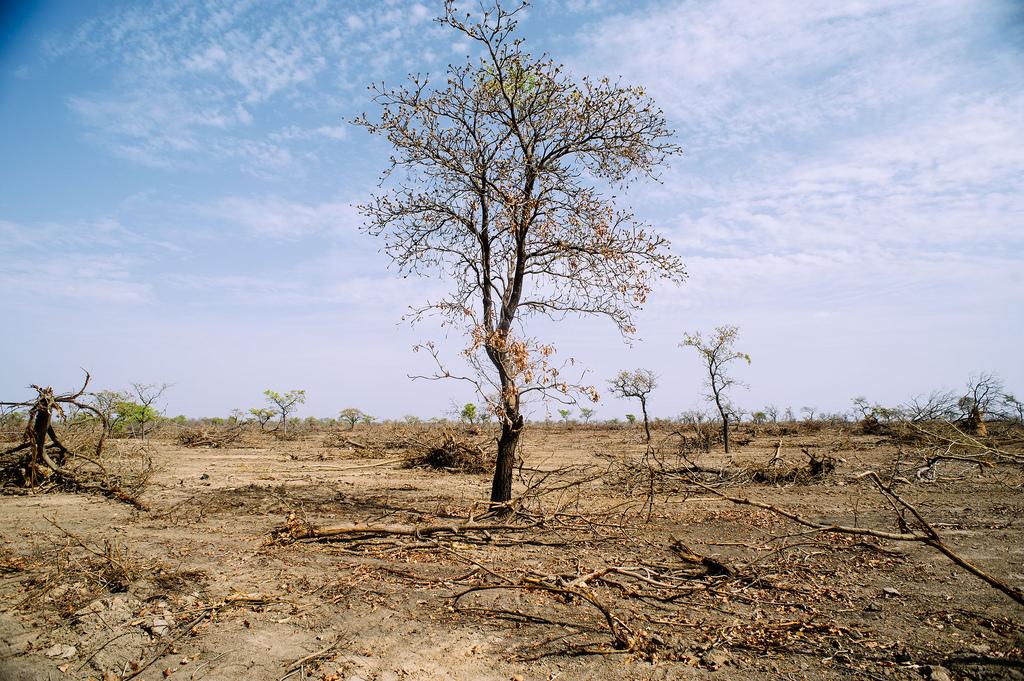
(925,532)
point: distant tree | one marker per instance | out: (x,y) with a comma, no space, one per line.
(772,412)
(262,416)
(368,420)
(631,419)
(717,353)
(984,390)
(636,384)
(468,413)
(285,404)
(759,418)
(236,416)
(105,402)
(808,412)
(351,415)
(936,405)
(143,398)
(789,416)
(135,416)
(565,414)
(1014,408)
(586,414)
(497,175)
(412,420)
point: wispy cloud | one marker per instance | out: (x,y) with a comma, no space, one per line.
(279,218)
(734,73)
(194,81)
(841,154)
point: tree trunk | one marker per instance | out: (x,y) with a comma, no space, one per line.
(647,427)
(725,432)
(501,487)
(39,426)
(976,423)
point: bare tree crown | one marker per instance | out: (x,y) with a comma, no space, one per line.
(492,186)
(638,383)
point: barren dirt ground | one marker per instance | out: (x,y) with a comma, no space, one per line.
(593,583)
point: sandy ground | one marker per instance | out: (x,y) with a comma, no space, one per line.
(195,588)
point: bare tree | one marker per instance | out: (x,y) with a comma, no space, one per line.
(1014,408)
(285,403)
(717,353)
(636,384)
(491,188)
(145,396)
(984,391)
(936,405)
(106,402)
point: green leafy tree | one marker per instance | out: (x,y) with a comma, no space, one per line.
(468,413)
(135,416)
(495,185)
(717,354)
(262,416)
(284,404)
(351,415)
(565,414)
(586,414)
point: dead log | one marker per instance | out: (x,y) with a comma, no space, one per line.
(295,530)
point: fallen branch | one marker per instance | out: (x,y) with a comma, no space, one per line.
(295,530)
(926,535)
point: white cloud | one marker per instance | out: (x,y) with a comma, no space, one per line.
(279,218)
(731,73)
(294,132)
(195,80)
(54,280)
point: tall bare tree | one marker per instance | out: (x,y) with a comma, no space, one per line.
(717,353)
(494,185)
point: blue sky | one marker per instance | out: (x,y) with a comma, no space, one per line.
(178,178)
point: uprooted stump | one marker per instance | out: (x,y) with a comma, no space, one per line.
(47,462)
(451,453)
